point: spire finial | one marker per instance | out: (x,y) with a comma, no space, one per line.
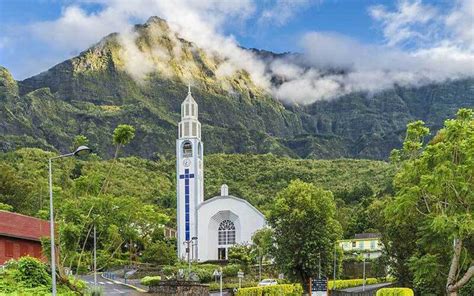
(189,88)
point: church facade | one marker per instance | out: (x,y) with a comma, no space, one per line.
(206,229)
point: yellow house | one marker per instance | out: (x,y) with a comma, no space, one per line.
(367,244)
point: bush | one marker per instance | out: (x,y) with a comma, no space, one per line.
(288,290)
(395,292)
(343,284)
(231,270)
(159,253)
(32,273)
(150,280)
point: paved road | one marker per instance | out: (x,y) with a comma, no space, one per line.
(368,287)
(109,287)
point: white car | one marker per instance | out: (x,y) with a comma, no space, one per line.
(268,282)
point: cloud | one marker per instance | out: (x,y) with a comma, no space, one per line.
(422,45)
(282,11)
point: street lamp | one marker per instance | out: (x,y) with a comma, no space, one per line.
(81,150)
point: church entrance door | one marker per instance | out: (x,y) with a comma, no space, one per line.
(221,254)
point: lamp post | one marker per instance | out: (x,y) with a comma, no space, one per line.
(334,268)
(363,275)
(81,150)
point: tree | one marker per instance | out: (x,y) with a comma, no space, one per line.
(303,219)
(80,140)
(262,243)
(433,206)
(123,134)
(160,253)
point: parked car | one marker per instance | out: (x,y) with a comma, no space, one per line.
(268,282)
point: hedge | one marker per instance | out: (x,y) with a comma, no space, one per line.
(277,290)
(150,280)
(343,284)
(395,292)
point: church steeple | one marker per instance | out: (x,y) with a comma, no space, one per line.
(189,175)
(189,127)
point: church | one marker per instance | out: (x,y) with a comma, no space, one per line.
(206,229)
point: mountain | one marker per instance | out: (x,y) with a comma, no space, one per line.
(109,84)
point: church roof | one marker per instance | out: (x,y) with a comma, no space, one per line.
(219,197)
(189,97)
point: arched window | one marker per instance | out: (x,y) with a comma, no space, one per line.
(226,233)
(187,149)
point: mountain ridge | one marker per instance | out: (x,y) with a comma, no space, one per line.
(95,91)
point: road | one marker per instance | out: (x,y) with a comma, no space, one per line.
(368,287)
(109,287)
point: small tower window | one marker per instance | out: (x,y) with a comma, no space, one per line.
(194,130)
(192,110)
(180,134)
(186,129)
(187,109)
(187,149)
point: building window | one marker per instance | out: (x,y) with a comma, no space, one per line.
(194,129)
(187,149)
(353,244)
(372,245)
(226,233)
(8,249)
(187,109)
(192,110)
(361,245)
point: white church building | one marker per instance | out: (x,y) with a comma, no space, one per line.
(206,229)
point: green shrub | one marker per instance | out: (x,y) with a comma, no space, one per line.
(395,292)
(231,270)
(150,280)
(277,290)
(95,291)
(32,273)
(216,286)
(343,284)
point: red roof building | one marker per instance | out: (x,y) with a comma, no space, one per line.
(20,236)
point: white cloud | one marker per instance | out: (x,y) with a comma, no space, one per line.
(282,11)
(423,45)
(412,21)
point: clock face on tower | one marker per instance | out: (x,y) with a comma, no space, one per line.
(187,162)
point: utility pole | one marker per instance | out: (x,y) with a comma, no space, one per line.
(319,266)
(363,275)
(220,274)
(95,257)
(334,268)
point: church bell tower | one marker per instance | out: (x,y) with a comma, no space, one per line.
(189,178)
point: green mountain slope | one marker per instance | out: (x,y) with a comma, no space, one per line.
(92,93)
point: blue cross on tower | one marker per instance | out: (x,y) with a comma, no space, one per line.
(186,176)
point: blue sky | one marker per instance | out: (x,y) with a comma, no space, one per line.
(382,43)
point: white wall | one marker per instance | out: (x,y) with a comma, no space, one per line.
(246,219)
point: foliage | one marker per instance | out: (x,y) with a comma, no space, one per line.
(290,290)
(241,254)
(79,140)
(433,207)
(95,291)
(123,134)
(150,280)
(29,276)
(343,284)
(301,241)
(395,292)
(262,244)
(160,253)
